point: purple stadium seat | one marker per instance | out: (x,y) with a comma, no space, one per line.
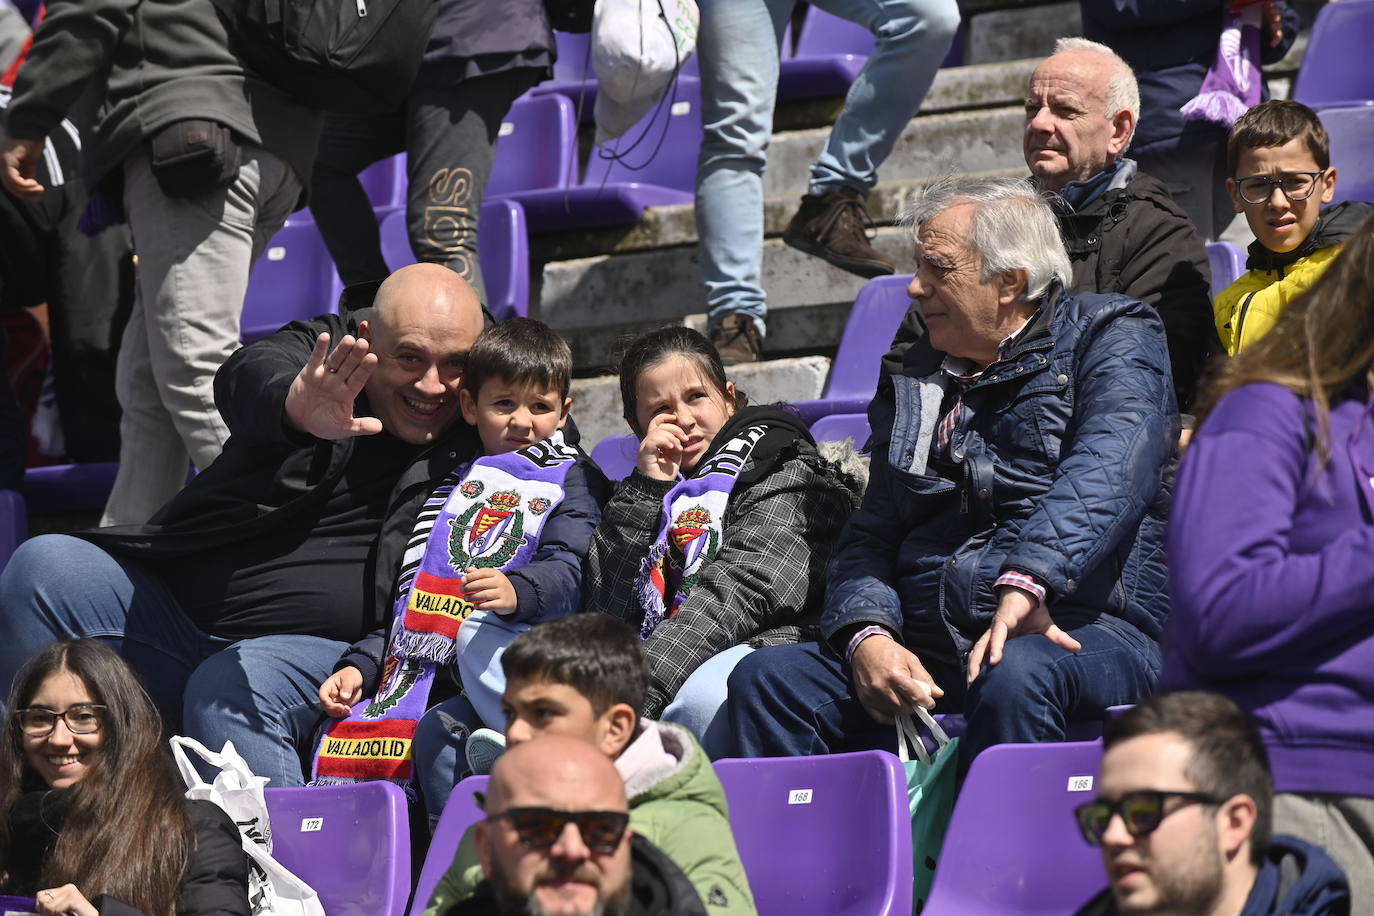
(502,248)
(877,313)
(1228,263)
(385,182)
(17,906)
(69,487)
(830,53)
(1335,72)
(822,834)
(572,73)
(841,426)
(537,147)
(350,843)
(293,280)
(661,169)
(460,813)
(1013,845)
(1352,137)
(14,524)
(616,455)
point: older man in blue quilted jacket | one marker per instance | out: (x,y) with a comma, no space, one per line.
(1007,561)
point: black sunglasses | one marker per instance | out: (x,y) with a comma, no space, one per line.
(1141,812)
(540,828)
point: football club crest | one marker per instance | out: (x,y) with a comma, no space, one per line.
(487,536)
(691,538)
(397,679)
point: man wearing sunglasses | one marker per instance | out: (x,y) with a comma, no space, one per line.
(1183,812)
(556,841)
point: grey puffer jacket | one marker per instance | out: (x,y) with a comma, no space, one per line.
(1057,469)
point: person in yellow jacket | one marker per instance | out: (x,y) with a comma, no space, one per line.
(585,676)
(1280,161)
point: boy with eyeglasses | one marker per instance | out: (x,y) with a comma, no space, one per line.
(1280,162)
(1183,814)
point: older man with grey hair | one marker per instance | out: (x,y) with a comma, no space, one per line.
(1007,561)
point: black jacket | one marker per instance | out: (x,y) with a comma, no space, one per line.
(228,502)
(478,37)
(216,879)
(657,888)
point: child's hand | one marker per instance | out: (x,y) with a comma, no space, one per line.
(341,692)
(660,452)
(489,590)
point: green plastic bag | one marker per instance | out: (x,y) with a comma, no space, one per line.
(930,788)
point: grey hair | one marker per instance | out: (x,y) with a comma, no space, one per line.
(1013,227)
(1122,91)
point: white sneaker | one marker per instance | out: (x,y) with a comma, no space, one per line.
(484,746)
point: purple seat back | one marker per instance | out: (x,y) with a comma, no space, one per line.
(822,834)
(1228,263)
(536,148)
(17,905)
(841,426)
(824,34)
(502,249)
(385,182)
(671,163)
(1335,70)
(1013,845)
(294,280)
(1352,137)
(460,813)
(69,487)
(350,843)
(14,524)
(616,455)
(573,61)
(878,312)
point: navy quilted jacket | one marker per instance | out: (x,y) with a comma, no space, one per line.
(1058,468)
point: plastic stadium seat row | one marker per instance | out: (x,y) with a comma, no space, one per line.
(1336,71)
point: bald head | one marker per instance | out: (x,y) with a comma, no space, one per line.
(557,772)
(424,320)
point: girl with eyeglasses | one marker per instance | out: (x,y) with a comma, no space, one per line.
(93,819)
(1271,558)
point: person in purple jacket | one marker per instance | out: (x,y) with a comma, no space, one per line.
(1271,558)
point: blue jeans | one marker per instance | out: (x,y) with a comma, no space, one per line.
(789,701)
(259,693)
(699,705)
(738,46)
(440,751)
(482,640)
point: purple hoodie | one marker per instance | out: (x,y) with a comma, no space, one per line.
(1271,574)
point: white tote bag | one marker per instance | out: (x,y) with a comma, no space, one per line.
(272,889)
(637,48)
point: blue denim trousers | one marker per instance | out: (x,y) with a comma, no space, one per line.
(790,701)
(260,693)
(738,47)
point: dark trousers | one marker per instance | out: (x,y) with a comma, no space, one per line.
(448,134)
(791,701)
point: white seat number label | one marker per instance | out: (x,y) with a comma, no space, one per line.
(799,797)
(311,824)
(1080,783)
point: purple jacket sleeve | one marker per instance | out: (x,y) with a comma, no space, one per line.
(1243,602)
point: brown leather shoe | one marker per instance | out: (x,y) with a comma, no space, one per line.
(737,340)
(832,228)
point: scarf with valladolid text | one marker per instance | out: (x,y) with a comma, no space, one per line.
(489,518)
(691,529)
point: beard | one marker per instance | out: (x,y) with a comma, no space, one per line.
(1193,885)
(511,901)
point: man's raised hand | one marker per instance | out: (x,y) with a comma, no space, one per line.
(320,402)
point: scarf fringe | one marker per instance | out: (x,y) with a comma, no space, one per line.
(649,598)
(405,784)
(426,647)
(1217,106)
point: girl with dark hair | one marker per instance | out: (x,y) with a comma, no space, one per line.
(93,814)
(717,542)
(1271,557)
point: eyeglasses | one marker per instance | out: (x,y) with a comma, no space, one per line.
(1257,189)
(1141,812)
(540,828)
(81,719)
